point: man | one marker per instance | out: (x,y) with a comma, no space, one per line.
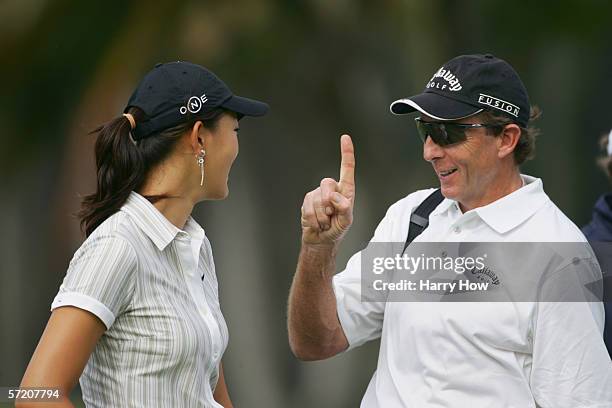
(474,123)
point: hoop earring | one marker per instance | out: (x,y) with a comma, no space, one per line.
(200,160)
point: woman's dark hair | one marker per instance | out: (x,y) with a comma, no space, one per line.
(123,165)
(525,148)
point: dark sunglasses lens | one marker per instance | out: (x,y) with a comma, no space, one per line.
(454,134)
(434,130)
(441,134)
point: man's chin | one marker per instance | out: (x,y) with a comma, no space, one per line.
(448,192)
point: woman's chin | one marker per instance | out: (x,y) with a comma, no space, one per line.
(216,194)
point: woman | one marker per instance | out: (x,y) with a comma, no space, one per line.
(137,316)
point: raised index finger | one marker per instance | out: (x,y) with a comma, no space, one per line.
(347,165)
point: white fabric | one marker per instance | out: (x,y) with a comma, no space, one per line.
(416,106)
(154,287)
(85,302)
(477,355)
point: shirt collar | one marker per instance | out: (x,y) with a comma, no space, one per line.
(195,231)
(193,228)
(443,206)
(151,221)
(509,211)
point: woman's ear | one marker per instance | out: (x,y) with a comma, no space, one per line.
(196,137)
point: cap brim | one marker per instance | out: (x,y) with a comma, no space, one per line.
(245,106)
(435,106)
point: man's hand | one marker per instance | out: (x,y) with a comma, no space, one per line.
(327,211)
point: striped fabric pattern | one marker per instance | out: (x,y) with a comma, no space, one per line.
(154,286)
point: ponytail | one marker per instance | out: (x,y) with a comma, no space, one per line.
(123,165)
(120,170)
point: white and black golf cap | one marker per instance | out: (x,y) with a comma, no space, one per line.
(467,85)
(177,92)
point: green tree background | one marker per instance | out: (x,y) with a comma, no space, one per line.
(325,67)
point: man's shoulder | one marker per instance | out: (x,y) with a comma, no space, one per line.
(394,226)
(552,223)
(409,202)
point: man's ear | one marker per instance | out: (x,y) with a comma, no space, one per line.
(507,140)
(196,137)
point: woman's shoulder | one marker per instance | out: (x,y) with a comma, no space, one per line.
(117,231)
(118,225)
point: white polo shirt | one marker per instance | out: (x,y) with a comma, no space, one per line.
(154,287)
(477,355)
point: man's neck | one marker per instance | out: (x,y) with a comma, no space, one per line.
(499,189)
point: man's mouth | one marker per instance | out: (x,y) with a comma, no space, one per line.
(447,172)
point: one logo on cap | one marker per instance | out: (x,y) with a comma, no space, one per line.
(453,82)
(194,104)
(499,104)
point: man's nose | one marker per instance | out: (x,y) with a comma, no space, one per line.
(431,150)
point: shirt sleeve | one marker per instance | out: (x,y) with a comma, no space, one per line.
(361,320)
(571,366)
(100,278)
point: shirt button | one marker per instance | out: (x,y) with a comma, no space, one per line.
(457,230)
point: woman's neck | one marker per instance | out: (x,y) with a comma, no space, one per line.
(176,210)
(178,204)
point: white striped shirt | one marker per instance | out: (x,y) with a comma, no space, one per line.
(154,287)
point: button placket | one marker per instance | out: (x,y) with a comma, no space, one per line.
(191,276)
(212,321)
(196,289)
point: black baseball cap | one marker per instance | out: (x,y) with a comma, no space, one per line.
(175,92)
(467,85)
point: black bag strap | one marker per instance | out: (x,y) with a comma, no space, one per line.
(419,219)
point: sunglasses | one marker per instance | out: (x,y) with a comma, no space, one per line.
(444,134)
